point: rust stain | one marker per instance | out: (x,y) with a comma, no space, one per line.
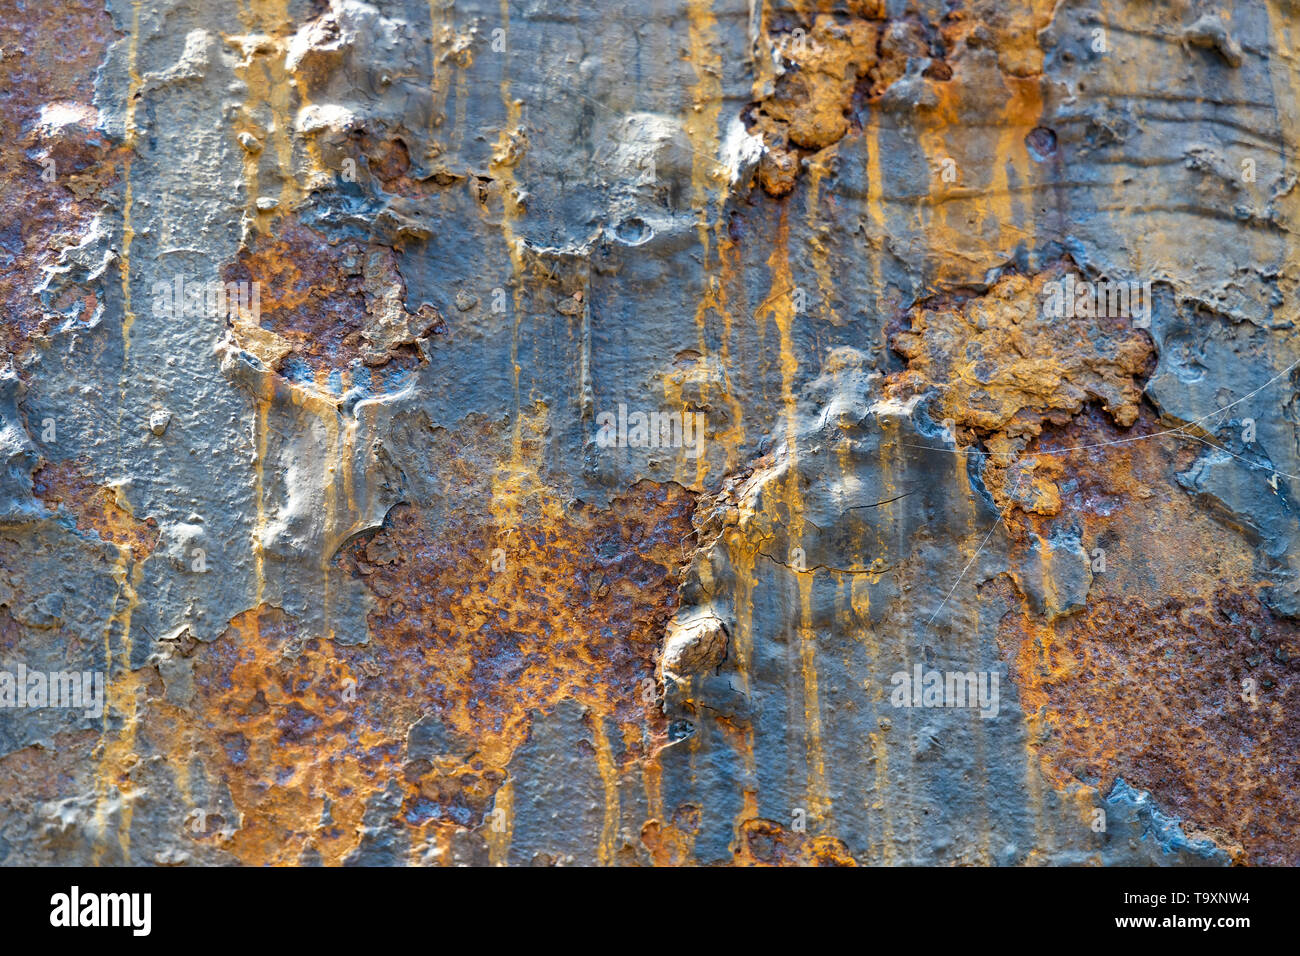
(328,304)
(388,160)
(577,611)
(299,761)
(818,73)
(66,488)
(1152,690)
(672,842)
(1003,368)
(767,843)
(53,161)
(805,107)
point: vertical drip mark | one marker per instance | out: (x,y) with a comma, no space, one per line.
(876,218)
(696,747)
(891,465)
(337,530)
(733,439)
(502,829)
(334,442)
(117,752)
(522,476)
(457,134)
(701,125)
(880,756)
(873,804)
(1034,727)
(134,85)
(587,393)
(261,432)
(743,561)
(438,85)
(820,805)
(126,574)
(652,780)
(128,237)
(780,308)
(1282,76)
(1023,112)
(502,166)
(962,479)
(605,853)
(817,170)
(279,97)
(702,121)
(932,212)
(265,72)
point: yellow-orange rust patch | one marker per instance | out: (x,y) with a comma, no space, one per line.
(307,733)
(767,843)
(64,486)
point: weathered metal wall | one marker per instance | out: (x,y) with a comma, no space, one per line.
(378,566)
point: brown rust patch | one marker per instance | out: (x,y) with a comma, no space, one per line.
(804,106)
(672,843)
(1112,480)
(1145,683)
(1153,692)
(833,66)
(388,160)
(1004,370)
(809,106)
(767,843)
(1010,27)
(52,160)
(575,608)
(65,487)
(310,293)
(329,304)
(308,733)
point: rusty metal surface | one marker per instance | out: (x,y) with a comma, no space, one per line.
(444,432)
